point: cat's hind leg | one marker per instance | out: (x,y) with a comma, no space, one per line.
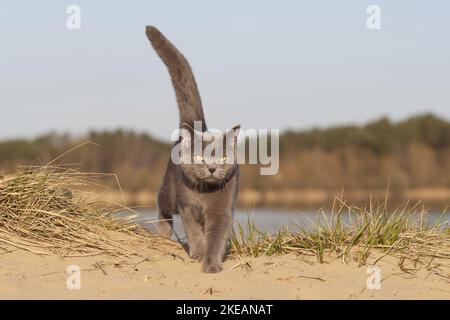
(167,206)
(164,225)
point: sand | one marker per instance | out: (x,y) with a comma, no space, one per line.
(173,275)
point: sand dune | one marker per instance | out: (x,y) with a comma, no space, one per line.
(174,276)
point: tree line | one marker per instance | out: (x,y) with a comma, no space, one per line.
(414,153)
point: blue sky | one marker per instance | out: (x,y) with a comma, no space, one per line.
(264,64)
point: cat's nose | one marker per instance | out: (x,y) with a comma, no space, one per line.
(212,170)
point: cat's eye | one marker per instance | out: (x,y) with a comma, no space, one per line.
(223,159)
(199,158)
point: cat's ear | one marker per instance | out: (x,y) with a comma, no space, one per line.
(188,133)
(236,129)
(233,132)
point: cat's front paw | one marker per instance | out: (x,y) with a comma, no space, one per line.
(212,268)
(196,251)
(196,255)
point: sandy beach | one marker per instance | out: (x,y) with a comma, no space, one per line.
(173,275)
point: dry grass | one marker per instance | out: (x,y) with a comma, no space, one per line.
(46,210)
(355,233)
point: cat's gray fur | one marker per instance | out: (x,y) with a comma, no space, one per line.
(203,194)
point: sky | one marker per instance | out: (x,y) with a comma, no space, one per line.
(263,64)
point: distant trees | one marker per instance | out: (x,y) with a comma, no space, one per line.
(412,153)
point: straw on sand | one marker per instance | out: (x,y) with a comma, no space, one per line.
(46,210)
(375,231)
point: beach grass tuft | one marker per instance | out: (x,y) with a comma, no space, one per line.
(49,210)
(52,210)
(354,233)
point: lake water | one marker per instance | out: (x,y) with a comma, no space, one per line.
(269,220)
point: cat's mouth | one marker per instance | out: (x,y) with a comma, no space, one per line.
(212,179)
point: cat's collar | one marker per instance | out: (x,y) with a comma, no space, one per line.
(205,187)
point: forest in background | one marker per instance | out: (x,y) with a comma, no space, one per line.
(413,154)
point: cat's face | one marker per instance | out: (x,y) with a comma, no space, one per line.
(215,161)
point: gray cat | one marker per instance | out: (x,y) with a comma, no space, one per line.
(203,193)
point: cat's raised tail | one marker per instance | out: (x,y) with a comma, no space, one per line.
(183,80)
